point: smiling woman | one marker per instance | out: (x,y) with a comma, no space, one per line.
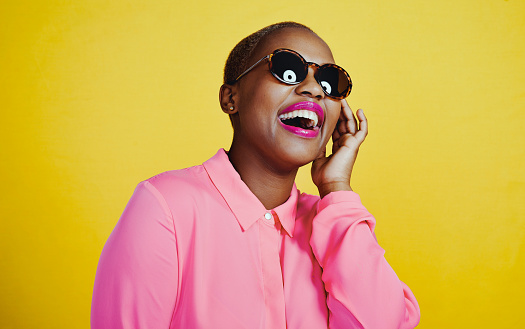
(232,243)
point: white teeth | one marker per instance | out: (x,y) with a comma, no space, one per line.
(303,114)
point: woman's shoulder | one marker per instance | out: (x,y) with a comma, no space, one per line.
(185,175)
(180,183)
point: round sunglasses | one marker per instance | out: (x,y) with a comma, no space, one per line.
(291,68)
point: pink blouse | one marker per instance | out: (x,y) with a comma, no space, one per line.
(195,248)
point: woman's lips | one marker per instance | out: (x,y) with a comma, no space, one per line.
(307,110)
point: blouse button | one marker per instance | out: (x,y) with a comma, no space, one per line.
(268,216)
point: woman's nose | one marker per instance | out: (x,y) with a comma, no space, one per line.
(309,86)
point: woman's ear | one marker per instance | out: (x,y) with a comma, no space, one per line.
(226,95)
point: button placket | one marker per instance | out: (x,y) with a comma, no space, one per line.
(271,271)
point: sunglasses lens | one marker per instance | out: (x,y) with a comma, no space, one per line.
(288,67)
(334,81)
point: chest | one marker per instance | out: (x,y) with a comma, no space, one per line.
(253,278)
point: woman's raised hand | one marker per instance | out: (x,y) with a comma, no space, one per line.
(333,173)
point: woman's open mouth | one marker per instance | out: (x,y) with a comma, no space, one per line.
(303,119)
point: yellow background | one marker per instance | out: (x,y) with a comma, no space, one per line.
(96,96)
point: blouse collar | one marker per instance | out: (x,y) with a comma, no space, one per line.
(245,206)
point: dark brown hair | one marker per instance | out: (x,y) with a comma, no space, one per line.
(240,54)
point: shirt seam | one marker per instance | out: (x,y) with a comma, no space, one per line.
(165,207)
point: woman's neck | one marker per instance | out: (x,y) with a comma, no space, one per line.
(271,186)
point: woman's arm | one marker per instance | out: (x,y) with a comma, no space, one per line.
(363,290)
(137,275)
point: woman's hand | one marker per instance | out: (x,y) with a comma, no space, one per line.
(333,173)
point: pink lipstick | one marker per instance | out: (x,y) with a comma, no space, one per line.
(303,119)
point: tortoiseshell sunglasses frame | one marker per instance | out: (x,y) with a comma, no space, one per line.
(307,65)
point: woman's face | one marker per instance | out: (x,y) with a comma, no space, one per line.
(260,99)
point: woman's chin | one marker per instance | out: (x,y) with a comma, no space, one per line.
(297,157)
(302,151)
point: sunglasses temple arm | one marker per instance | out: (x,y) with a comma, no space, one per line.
(251,67)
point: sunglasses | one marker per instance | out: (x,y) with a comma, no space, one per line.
(291,68)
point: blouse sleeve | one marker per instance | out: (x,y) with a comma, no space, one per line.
(137,274)
(363,290)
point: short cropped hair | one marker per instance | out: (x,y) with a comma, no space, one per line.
(240,54)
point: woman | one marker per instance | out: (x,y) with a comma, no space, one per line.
(232,243)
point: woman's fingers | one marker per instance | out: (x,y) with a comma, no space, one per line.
(347,117)
(347,126)
(363,126)
(336,134)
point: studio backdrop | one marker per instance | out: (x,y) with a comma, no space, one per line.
(97,96)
